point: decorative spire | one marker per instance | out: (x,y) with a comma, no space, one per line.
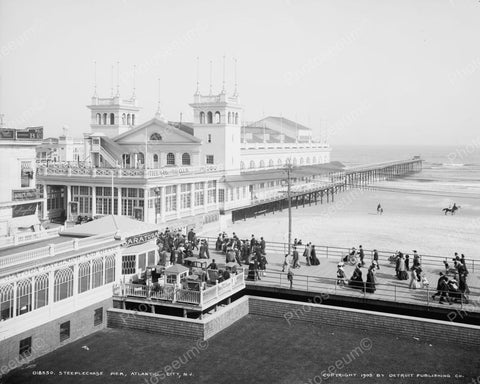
(235,92)
(134,73)
(197,92)
(223,76)
(95,79)
(210,77)
(159,114)
(118,79)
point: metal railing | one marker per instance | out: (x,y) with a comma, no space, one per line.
(395,292)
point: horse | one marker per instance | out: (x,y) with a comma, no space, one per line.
(451,210)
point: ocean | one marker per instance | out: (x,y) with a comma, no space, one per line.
(447,170)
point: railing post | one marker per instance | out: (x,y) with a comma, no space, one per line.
(307,283)
(428,296)
(395,292)
(280,275)
(51,250)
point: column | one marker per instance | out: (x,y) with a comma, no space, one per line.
(178,200)
(44,202)
(94,201)
(51,287)
(146,208)
(14,314)
(119,201)
(205,196)
(192,199)
(162,203)
(69,199)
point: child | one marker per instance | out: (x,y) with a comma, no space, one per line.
(340,274)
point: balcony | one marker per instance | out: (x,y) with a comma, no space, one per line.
(269,146)
(70,170)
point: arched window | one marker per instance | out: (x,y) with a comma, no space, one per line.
(202,117)
(110,269)
(252,164)
(262,164)
(170,159)
(129,120)
(270,163)
(301,160)
(185,159)
(217,118)
(155,161)
(126,160)
(209,118)
(242,165)
(155,136)
(63,284)
(6,301)
(112,119)
(97,273)
(229,117)
(308,160)
(24,296)
(133,119)
(41,291)
(99,119)
(236,118)
(84,277)
(104,119)
(124,119)
(314,161)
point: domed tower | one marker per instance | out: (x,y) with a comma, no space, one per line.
(217,122)
(113,115)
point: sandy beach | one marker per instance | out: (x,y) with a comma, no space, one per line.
(410,221)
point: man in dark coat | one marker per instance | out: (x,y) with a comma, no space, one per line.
(361,254)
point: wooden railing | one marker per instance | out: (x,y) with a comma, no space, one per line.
(172,294)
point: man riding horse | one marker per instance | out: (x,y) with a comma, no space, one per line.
(452,209)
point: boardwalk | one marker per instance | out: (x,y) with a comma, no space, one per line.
(322,278)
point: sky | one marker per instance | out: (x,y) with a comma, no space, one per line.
(355,71)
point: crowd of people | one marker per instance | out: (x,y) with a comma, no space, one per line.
(449,289)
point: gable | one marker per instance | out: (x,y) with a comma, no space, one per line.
(152,128)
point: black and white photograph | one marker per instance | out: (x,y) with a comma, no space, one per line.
(256,191)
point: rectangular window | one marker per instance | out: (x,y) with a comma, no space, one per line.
(151,258)
(212,192)
(170,198)
(199,195)
(64,331)
(26,173)
(98,316)
(185,196)
(209,159)
(25,349)
(221,195)
(128,264)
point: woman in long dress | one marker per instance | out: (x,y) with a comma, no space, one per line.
(315,260)
(356,281)
(415,280)
(371,279)
(401,269)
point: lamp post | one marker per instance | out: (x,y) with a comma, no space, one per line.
(157,203)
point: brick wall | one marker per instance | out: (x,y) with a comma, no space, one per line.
(432,330)
(46,337)
(179,326)
(154,323)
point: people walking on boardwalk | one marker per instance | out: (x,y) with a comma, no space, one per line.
(361,255)
(285,263)
(407,262)
(263,265)
(290,277)
(442,288)
(415,278)
(356,281)
(375,258)
(295,258)
(371,280)
(416,259)
(314,258)
(307,254)
(341,277)
(400,268)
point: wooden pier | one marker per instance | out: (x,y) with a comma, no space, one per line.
(352,177)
